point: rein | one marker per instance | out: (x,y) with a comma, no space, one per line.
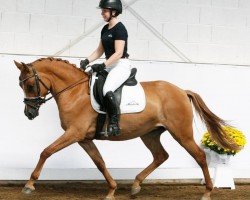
(63,90)
(36,102)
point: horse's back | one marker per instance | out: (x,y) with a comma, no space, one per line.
(167,97)
(163,89)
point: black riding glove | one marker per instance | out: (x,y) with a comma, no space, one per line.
(84,64)
(98,67)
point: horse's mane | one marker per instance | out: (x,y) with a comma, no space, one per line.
(55,59)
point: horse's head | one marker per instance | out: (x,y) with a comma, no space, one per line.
(34,94)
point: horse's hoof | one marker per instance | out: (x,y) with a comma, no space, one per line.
(135,190)
(109,198)
(27,190)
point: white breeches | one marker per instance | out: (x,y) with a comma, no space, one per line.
(118,74)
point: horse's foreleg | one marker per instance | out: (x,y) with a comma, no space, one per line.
(65,140)
(92,151)
(153,143)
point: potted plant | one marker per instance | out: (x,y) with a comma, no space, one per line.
(218,157)
(239,138)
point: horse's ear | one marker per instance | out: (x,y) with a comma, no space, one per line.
(19,65)
(25,67)
(22,66)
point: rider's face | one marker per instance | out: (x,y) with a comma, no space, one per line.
(105,14)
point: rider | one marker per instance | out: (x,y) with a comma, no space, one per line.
(113,43)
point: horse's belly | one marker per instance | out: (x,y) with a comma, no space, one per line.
(130,132)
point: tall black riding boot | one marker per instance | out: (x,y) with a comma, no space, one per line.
(113,113)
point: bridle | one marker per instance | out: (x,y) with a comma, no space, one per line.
(36,102)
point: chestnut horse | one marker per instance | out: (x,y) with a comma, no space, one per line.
(167,108)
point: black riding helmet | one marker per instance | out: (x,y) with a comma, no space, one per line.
(112,5)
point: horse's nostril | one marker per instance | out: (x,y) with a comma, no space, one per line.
(31,115)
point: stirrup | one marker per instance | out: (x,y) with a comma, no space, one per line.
(114,130)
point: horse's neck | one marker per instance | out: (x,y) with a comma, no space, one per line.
(64,76)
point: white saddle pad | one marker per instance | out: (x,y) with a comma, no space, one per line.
(132,99)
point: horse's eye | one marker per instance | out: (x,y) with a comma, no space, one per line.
(30,88)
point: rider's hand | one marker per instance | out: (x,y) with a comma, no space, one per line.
(98,67)
(84,64)
(88,70)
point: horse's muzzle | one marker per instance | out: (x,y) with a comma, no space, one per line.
(31,113)
(32,106)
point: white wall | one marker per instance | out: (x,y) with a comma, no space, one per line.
(225,89)
(207,31)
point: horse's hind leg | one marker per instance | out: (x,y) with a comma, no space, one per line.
(152,142)
(184,135)
(92,151)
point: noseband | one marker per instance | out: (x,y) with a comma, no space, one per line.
(36,102)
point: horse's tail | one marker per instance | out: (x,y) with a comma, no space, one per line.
(213,123)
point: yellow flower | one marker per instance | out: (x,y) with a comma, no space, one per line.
(238,137)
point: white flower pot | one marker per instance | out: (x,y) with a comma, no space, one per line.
(222,176)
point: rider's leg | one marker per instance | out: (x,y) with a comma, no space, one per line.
(118,74)
(116,77)
(113,113)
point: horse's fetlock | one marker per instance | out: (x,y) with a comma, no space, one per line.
(34,176)
(113,185)
(138,179)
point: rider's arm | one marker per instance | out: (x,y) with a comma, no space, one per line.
(97,53)
(119,48)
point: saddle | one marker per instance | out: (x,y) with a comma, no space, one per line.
(99,83)
(130,97)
